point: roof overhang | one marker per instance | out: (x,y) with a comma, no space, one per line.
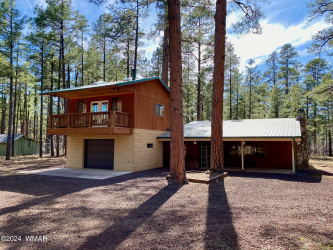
(237,139)
(107,88)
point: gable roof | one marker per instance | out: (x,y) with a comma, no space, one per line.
(106,84)
(3,138)
(247,128)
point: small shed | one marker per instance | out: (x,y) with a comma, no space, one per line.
(22,145)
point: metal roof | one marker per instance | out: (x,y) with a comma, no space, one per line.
(247,128)
(3,138)
(106,84)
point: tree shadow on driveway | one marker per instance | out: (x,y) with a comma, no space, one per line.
(220,232)
(114,235)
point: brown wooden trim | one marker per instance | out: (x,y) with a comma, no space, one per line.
(92,130)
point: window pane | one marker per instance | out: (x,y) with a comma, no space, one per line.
(94,107)
(104,106)
(261,151)
(157,109)
(248,150)
(161,110)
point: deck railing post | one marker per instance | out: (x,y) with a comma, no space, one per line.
(90,120)
(112,118)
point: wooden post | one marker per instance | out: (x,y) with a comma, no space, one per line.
(242,149)
(293,155)
(112,118)
(68,121)
(90,118)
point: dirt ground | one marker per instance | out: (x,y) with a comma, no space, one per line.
(139,211)
(323,163)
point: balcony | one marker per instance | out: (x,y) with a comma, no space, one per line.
(109,122)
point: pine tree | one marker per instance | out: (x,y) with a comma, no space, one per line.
(11,25)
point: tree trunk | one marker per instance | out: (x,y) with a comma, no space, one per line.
(63,73)
(199,83)
(82,62)
(26,116)
(128,57)
(216,149)
(3,116)
(136,37)
(250,106)
(41,103)
(51,106)
(330,153)
(230,90)
(14,111)
(165,62)
(10,112)
(58,104)
(104,59)
(177,159)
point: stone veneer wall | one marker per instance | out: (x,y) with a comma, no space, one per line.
(130,151)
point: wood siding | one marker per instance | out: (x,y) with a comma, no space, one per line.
(277,155)
(146,95)
(139,100)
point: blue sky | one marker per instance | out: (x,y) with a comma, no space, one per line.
(285,22)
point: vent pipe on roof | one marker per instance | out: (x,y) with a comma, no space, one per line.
(133,74)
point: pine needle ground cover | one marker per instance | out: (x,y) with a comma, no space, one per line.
(139,211)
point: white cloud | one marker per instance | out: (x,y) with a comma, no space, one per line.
(257,47)
(41,3)
(149,48)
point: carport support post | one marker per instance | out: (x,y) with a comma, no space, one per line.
(293,155)
(242,149)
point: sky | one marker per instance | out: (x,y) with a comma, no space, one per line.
(285,22)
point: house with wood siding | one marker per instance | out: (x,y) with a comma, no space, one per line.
(114,125)
(124,126)
(273,143)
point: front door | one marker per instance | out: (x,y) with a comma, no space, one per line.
(99,153)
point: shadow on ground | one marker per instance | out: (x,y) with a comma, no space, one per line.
(299,177)
(220,231)
(121,230)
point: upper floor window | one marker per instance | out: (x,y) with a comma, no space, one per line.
(116,104)
(82,107)
(99,106)
(159,109)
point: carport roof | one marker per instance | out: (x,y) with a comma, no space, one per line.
(247,128)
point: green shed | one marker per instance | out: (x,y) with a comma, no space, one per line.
(23,145)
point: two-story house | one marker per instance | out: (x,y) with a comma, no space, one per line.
(114,125)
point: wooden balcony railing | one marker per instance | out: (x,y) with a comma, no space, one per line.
(80,120)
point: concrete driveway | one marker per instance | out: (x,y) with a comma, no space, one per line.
(95,174)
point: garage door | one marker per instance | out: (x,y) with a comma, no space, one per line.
(99,154)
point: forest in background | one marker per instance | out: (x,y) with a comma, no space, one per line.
(57,48)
